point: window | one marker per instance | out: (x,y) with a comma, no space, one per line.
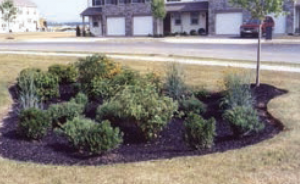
(95,22)
(194,18)
(137,1)
(98,2)
(121,1)
(110,2)
(177,18)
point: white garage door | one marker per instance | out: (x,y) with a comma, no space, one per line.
(228,23)
(116,26)
(280,24)
(142,25)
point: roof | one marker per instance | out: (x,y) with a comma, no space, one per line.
(22,3)
(92,11)
(186,7)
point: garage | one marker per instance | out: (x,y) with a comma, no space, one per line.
(116,26)
(142,25)
(280,24)
(228,23)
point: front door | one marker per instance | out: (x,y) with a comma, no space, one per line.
(167,24)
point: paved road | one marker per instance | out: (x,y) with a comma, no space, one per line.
(271,52)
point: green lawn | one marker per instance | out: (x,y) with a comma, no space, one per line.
(275,161)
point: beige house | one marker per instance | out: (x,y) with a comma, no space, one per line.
(27,18)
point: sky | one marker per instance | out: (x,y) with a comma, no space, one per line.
(61,10)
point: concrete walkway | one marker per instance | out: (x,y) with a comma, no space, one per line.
(177,40)
(274,67)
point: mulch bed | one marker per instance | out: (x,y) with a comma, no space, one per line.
(55,150)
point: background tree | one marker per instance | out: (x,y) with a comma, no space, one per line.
(159,11)
(9,12)
(259,9)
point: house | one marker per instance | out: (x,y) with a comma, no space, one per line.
(27,18)
(217,17)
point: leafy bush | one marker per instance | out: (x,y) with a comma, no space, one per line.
(33,123)
(96,67)
(199,133)
(174,83)
(201,31)
(238,92)
(64,73)
(193,32)
(81,99)
(243,120)
(192,104)
(141,105)
(61,113)
(87,135)
(200,93)
(107,88)
(46,84)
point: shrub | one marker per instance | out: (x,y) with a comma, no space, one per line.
(46,84)
(33,123)
(96,67)
(175,83)
(81,99)
(193,32)
(201,93)
(154,79)
(192,104)
(183,33)
(64,73)
(107,88)
(199,133)
(238,92)
(87,135)
(61,113)
(201,31)
(142,106)
(243,120)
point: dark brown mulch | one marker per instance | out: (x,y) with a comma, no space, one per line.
(55,150)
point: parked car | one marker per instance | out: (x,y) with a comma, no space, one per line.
(251,27)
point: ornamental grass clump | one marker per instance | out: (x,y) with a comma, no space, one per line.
(243,120)
(88,136)
(238,102)
(237,91)
(45,84)
(174,85)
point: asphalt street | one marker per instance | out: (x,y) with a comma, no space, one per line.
(270,52)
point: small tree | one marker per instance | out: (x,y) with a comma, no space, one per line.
(259,9)
(9,12)
(158,11)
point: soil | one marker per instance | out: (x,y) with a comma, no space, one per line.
(55,150)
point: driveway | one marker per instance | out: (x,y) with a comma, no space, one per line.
(271,52)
